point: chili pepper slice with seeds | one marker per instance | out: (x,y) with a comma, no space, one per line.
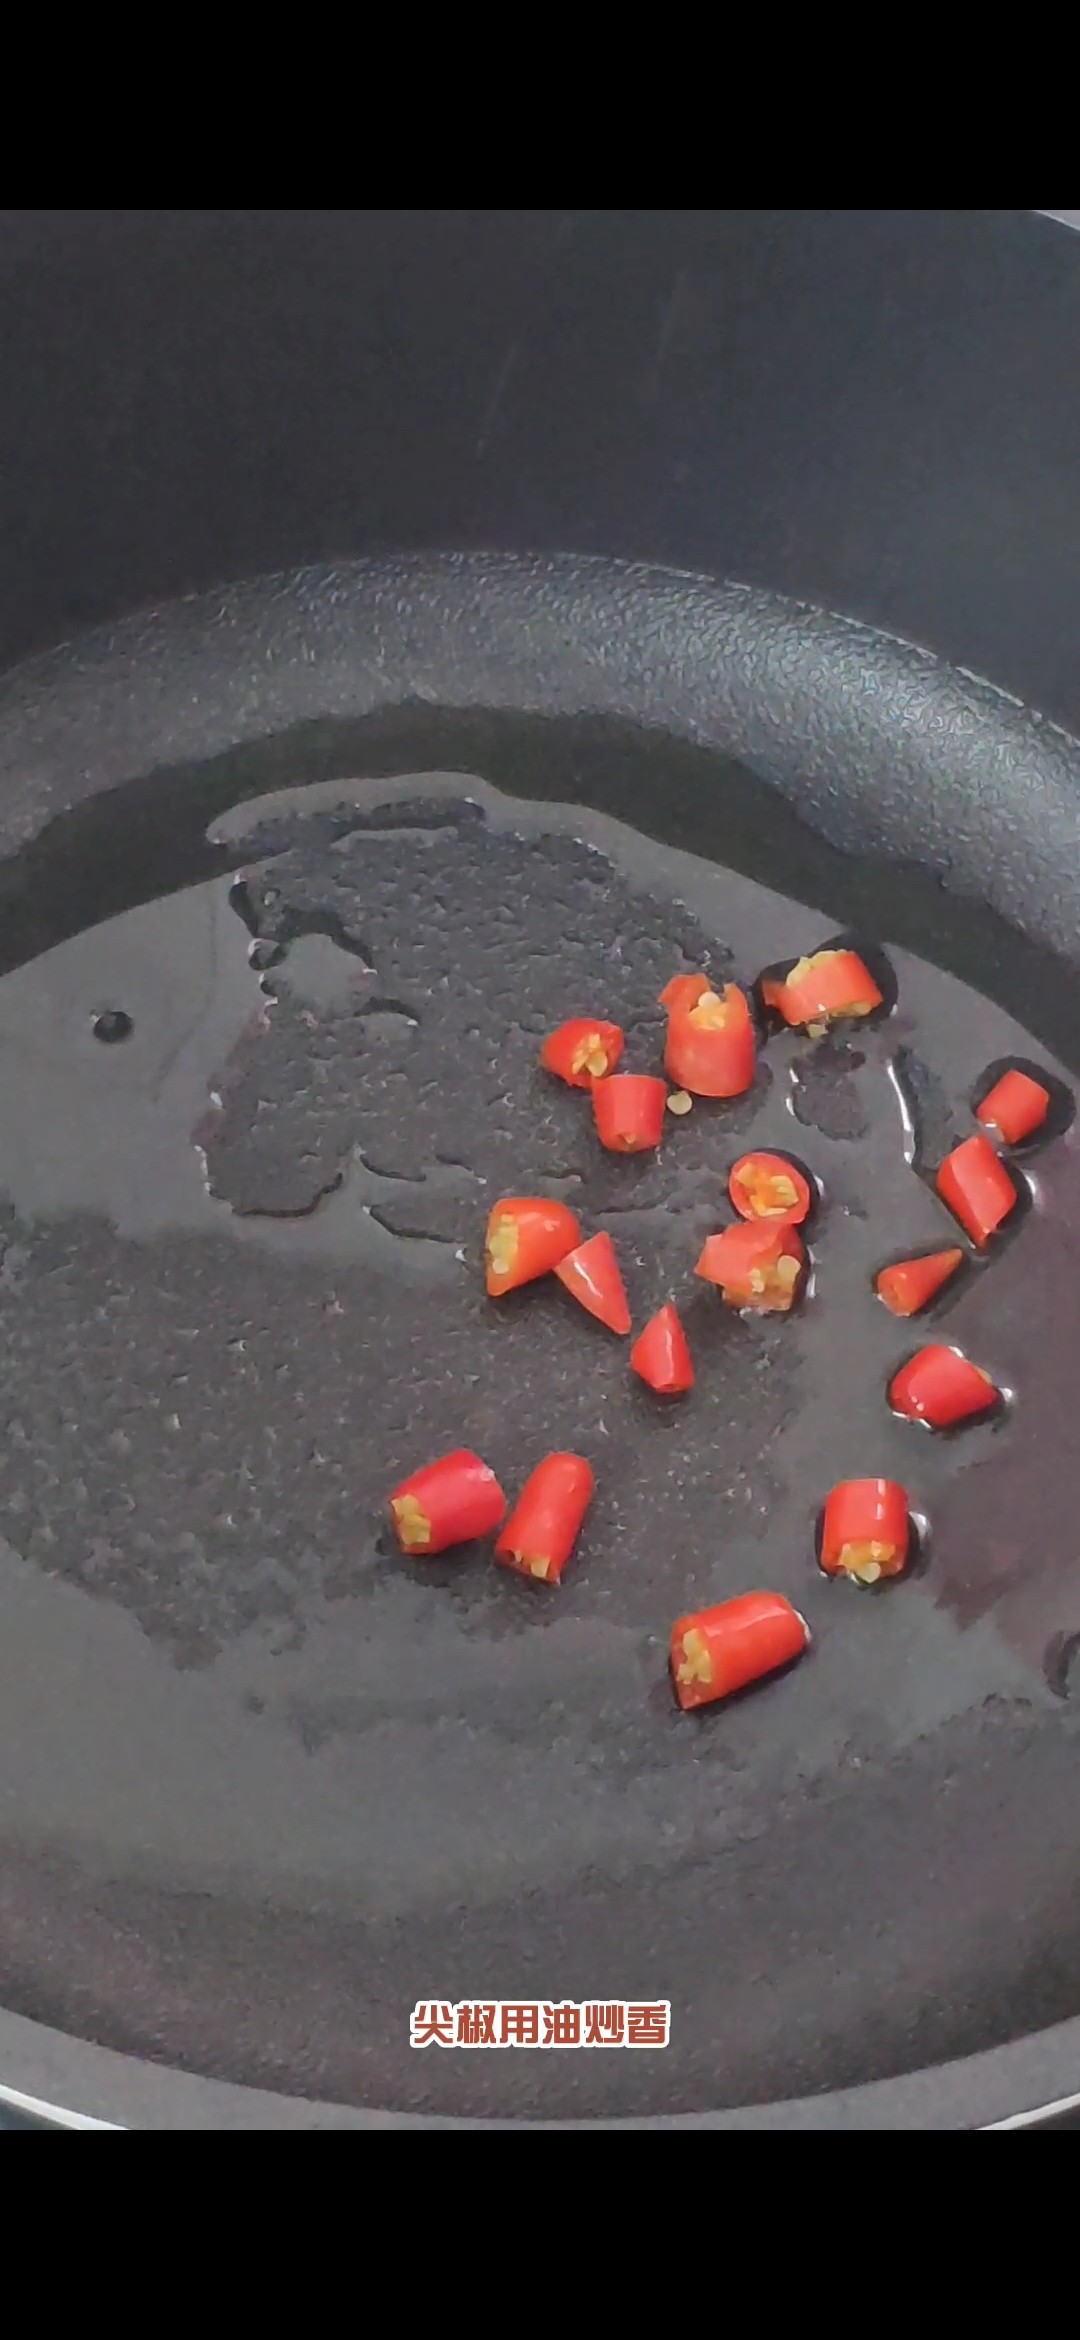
(940,1387)
(768,1186)
(451,1501)
(593,1275)
(581,1052)
(1016,1106)
(977,1188)
(545,1522)
(717,1651)
(822,989)
(527,1236)
(756,1265)
(866,1530)
(910,1284)
(661,1354)
(710,1048)
(628,1109)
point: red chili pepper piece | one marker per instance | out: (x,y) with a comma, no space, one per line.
(822,989)
(527,1236)
(628,1110)
(683,991)
(976,1187)
(661,1354)
(593,1275)
(866,1530)
(545,1522)
(448,1502)
(756,1265)
(941,1387)
(710,1044)
(1016,1106)
(581,1052)
(911,1284)
(717,1651)
(767,1186)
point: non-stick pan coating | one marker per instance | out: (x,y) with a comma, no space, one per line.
(868,1868)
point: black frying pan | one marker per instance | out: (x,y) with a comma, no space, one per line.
(233,1844)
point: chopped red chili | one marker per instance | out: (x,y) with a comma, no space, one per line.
(768,1186)
(582,1052)
(593,1275)
(451,1501)
(710,1038)
(822,989)
(683,991)
(911,1284)
(977,1188)
(756,1265)
(527,1236)
(545,1522)
(940,1387)
(661,1354)
(866,1530)
(628,1110)
(717,1651)
(1016,1106)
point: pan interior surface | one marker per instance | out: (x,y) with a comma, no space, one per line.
(269,1785)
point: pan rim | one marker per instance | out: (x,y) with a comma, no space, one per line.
(805,697)
(73,2084)
(53,705)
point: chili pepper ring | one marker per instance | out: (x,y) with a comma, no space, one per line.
(715,1652)
(527,1236)
(1016,1106)
(941,1387)
(977,1188)
(770,1186)
(582,1051)
(866,1530)
(628,1109)
(545,1522)
(756,1265)
(710,1047)
(451,1501)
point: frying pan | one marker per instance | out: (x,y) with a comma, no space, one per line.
(235,1898)
(870,410)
